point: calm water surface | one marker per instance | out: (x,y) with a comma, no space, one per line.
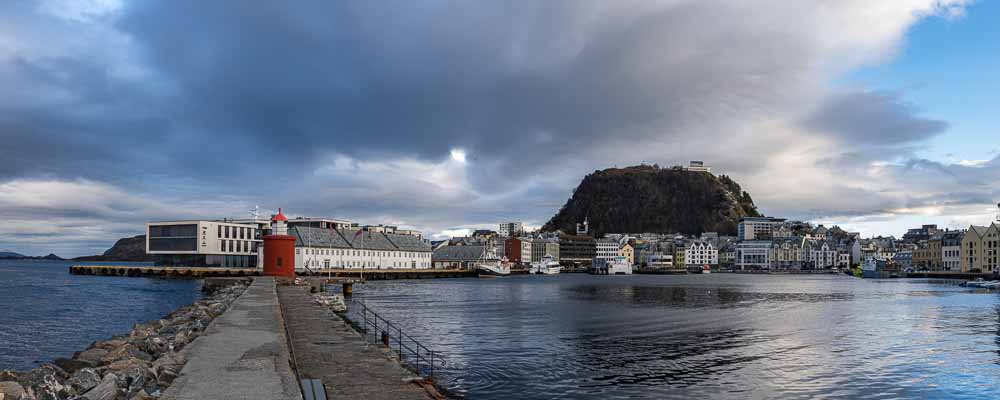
(46,313)
(706,336)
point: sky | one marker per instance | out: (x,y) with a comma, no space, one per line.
(447,116)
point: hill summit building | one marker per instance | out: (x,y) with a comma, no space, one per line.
(320,243)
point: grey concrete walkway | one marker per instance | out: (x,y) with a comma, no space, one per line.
(326,348)
(242,355)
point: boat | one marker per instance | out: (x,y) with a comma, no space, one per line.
(489,265)
(982,284)
(616,266)
(873,269)
(704,269)
(547,266)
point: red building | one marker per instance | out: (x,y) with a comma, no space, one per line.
(512,249)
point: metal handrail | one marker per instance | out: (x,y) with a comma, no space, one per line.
(412,354)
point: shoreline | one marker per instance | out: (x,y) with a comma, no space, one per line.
(139,364)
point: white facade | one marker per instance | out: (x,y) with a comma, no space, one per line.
(701,253)
(607,249)
(204,243)
(526,250)
(511,229)
(753,255)
(951,258)
(321,258)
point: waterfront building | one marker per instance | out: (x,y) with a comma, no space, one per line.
(512,248)
(979,248)
(606,249)
(903,259)
(727,252)
(951,250)
(660,260)
(927,254)
(322,248)
(787,254)
(525,251)
(843,259)
(699,253)
(456,257)
(821,254)
(544,247)
(576,250)
(628,252)
(511,229)
(753,255)
(757,228)
(204,243)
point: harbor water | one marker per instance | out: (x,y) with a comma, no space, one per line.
(732,336)
(46,313)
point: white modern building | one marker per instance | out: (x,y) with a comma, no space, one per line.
(700,253)
(526,250)
(753,254)
(607,249)
(511,229)
(204,243)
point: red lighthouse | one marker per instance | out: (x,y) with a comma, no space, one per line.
(279,249)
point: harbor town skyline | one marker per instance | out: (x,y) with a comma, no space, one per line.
(446,118)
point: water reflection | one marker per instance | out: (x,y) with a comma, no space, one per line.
(717,336)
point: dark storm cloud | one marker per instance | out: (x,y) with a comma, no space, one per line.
(873,118)
(180,101)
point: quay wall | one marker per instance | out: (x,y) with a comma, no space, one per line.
(198,273)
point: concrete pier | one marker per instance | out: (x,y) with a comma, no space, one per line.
(242,355)
(326,348)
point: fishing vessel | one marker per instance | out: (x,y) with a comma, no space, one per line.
(490,265)
(547,266)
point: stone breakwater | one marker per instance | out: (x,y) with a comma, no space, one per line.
(139,365)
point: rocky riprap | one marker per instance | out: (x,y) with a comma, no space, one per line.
(137,366)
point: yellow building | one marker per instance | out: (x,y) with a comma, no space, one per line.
(628,252)
(980,248)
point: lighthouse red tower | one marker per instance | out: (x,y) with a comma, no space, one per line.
(279,249)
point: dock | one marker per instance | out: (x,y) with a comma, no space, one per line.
(242,355)
(198,273)
(328,350)
(968,276)
(161,272)
(391,274)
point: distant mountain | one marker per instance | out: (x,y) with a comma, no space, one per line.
(125,249)
(11,254)
(652,199)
